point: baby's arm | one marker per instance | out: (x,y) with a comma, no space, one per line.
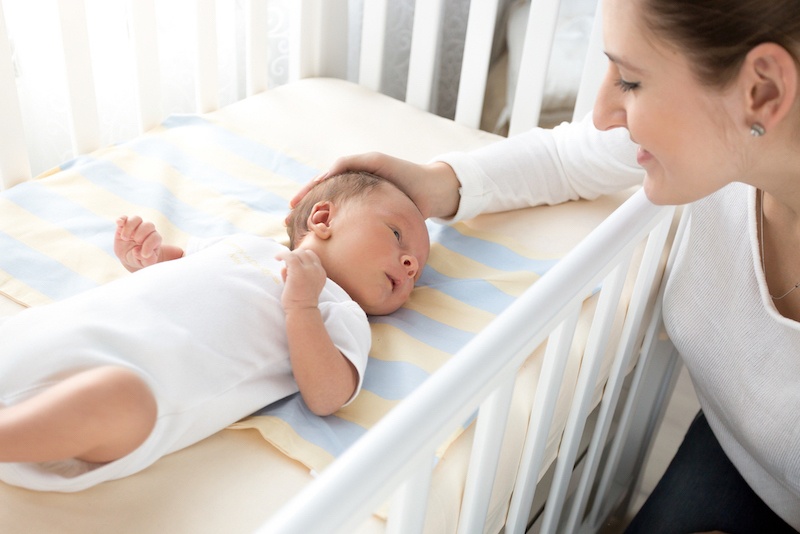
(137,244)
(325,377)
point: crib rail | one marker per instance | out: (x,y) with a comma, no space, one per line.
(396,456)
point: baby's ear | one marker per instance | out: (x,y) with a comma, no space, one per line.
(319,220)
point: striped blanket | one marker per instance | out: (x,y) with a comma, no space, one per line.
(198,176)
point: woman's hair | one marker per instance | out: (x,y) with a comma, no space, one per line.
(716,35)
(339,189)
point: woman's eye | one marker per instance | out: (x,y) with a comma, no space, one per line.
(626,86)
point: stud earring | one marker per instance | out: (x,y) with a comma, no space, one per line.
(757,130)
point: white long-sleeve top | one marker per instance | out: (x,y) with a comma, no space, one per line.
(742,355)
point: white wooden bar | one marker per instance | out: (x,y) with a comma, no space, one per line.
(486,448)
(475,65)
(594,67)
(15,166)
(145,56)
(539,425)
(407,512)
(318,39)
(424,53)
(533,67)
(593,357)
(637,308)
(373,37)
(256,47)
(84,121)
(654,338)
(206,62)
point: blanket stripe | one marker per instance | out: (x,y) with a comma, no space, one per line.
(197,176)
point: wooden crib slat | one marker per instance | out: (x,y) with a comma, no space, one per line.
(540,421)
(475,66)
(594,67)
(206,62)
(533,66)
(596,347)
(318,39)
(409,504)
(424,52)
(486,448)
(145,57)
(657,351)
(15,166)
(649,268)
(84,120)
(256,47)
(373,36)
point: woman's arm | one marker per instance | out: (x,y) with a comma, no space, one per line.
(541,166)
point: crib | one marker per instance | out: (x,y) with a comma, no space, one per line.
(538,418)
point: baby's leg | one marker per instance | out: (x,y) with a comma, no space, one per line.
(98,415)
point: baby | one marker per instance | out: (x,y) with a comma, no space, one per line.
(100,385)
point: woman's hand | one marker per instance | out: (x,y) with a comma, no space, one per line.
(433,187)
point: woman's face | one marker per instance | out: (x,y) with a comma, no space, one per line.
(685,131)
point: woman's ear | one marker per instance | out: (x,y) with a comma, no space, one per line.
(319,220)
(770,77)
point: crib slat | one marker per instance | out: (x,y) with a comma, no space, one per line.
(637,307)
(424,52)
(533,67)
(540,421)
(256,47)
(489,431)
(651,344)
(475,66)
(373,36)
(206,73)
(318,39)
(594,67)
(84,121)
(596,346)
(409,504)
(145,56)
(14,164)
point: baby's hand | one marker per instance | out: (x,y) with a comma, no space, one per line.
(137,244)
(304,279)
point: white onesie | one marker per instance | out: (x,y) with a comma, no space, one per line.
(206,332)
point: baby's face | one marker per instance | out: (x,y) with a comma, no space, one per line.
(379,246)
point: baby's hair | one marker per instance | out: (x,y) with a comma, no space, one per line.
(338,189)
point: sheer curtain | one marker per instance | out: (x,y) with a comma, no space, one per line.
(35,35)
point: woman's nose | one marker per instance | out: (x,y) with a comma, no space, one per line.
(609,111)
(411,265)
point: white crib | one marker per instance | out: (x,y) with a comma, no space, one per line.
(600,433)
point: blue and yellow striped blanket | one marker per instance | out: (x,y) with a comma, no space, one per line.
(197,176)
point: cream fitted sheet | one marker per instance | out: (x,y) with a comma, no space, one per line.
(233,481)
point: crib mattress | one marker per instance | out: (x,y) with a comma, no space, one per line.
(234,480)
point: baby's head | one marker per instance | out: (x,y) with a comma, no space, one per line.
(369,236)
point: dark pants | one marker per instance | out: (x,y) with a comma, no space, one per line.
(702,491)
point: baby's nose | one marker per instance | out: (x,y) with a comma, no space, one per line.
(411,265)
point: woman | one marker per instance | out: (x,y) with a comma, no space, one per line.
(708,90)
